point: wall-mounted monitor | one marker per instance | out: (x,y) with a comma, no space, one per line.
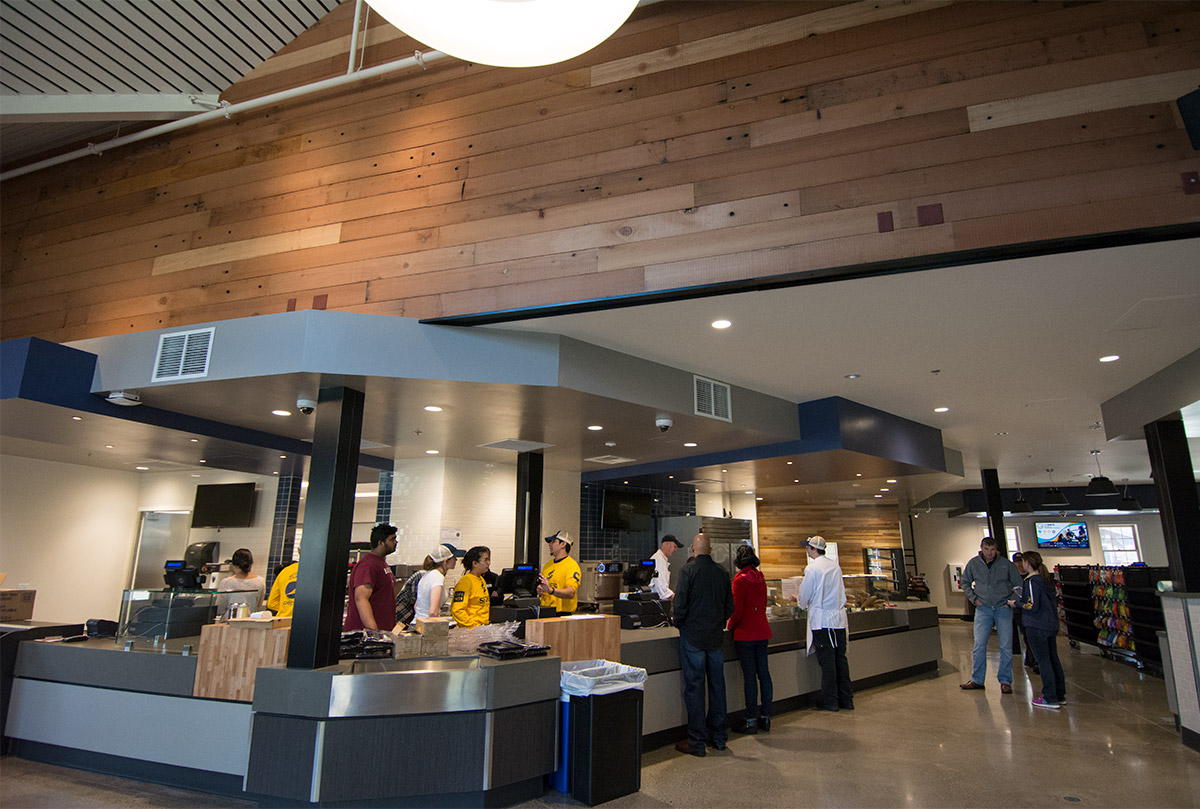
(1061,534)
(223,505)
(627,511)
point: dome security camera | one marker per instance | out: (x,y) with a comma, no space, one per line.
(663,423)
(306,406)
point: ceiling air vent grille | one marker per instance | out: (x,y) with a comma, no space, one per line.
(713,399)
(183,355)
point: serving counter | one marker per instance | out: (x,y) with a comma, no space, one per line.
(445,731)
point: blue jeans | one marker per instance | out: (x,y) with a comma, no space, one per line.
(1045,651)
(755,673)
(985,618)
(697,665)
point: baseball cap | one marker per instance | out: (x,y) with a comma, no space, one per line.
(560,535)
(444,551)
(670,538)
(816,542)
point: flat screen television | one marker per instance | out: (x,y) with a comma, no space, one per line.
(1061,534)
(223,505)
(627,511)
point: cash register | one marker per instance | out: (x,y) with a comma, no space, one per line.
(638,608)
(518,586)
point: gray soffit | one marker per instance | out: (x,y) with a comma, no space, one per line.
(73,71)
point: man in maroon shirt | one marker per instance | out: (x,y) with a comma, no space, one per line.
(372,588)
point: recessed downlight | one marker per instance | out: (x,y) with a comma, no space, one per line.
(853,376)
(194,440)
(941,410)
(282,456)
(202,461)
(1110,358)
(721,324)
(858,474)
(76,418)
(892,480)
(879,495)
(433,408)
(108,446)
(281,412)
(142,468)
(885,489)
(431,452)
(750,492)
(1000,433)
(689,443)
(595,427)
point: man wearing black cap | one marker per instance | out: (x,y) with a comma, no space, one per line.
(559,583)
(661,584)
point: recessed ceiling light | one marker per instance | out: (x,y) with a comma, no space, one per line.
(941,410)
(750,492)
(108,446)
(670,477)
(858,474)
(282,456)
(142,468)
(1110,358)
(194,440)
(274,473)
(892,480)
(758,498)
(797,480)
(610,443)
(195,476)
(689,443)
(76,418)
(431,452)
(724,470)
(626,481)
(721,324)
(203,461)
(281,412)
(879,495)
(856,485)
(595,427)
(789,463)
(433,408)
(853,376)
(885,489)
(1000,433)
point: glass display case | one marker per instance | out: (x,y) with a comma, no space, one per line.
(149,617)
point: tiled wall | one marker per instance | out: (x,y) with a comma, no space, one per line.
(624,546)
(283,527)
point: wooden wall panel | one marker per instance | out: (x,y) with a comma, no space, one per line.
(703,143)
(783,526)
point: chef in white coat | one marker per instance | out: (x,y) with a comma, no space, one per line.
(824,596)
(660,584)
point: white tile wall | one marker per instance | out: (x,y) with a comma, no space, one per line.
(1185,657)
(417,488)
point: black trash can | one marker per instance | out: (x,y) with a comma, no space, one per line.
(601,731)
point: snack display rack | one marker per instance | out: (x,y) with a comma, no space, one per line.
(1114,608)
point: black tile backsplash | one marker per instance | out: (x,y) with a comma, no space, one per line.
(596,544)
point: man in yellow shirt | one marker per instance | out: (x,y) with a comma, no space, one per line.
(559,584)
(283,592)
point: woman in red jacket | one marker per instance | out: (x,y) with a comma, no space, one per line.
(750,636)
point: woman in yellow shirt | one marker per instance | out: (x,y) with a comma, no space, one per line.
(471,605)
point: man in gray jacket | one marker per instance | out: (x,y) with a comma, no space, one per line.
(989,581)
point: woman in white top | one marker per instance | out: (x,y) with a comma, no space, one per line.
(433,583)
(242,579)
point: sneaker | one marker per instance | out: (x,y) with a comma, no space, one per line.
(1038,702)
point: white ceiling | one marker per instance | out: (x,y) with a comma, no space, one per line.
(1012,348)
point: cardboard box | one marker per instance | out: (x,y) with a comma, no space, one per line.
(408,645)
(434,627)
(17,605)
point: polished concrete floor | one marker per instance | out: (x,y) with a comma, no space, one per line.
(917,743)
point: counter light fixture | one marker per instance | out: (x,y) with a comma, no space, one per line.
(505,33)
(721,324)
(281,412)
(1100,486)
(1053,497)
(1110,358)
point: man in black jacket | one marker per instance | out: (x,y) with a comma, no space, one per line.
(703,603)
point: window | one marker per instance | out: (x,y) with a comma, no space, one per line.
(1013,537)
(1119,543)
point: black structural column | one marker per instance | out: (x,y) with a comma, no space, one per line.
(995,508)
(328,515)
(1178,504)
(529,507)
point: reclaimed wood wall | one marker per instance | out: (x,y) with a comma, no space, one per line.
(783,526)
(705,142)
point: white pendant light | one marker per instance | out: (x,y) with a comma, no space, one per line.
(508,33)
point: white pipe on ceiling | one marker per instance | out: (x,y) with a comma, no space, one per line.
(227,110)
